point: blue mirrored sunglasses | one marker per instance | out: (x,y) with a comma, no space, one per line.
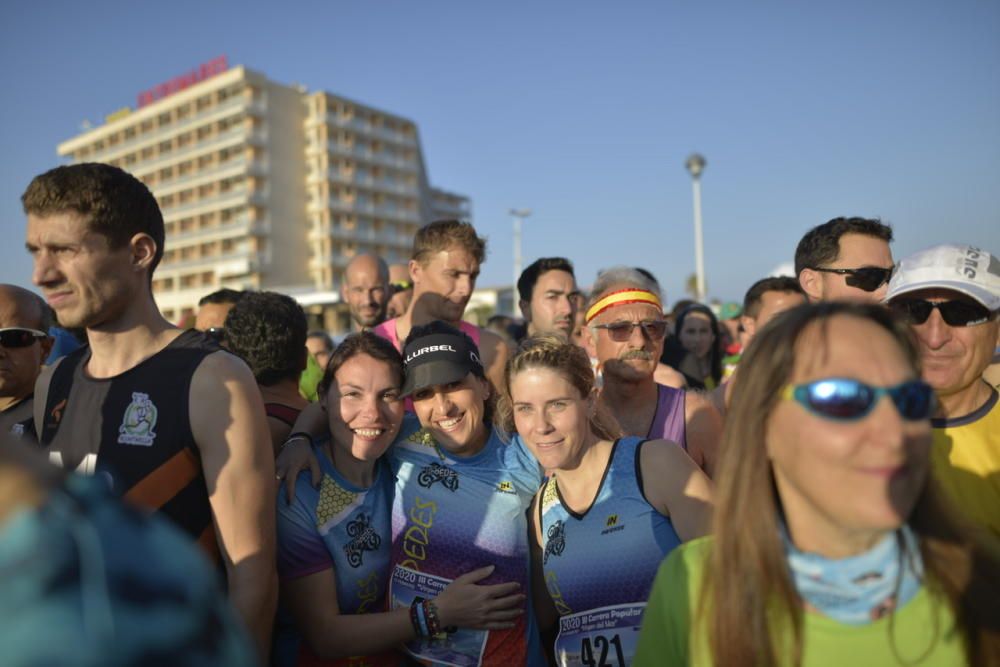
(843,399)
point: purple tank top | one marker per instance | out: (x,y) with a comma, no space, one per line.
(668,421)
(387,330)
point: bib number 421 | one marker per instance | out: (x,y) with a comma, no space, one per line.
(595,653)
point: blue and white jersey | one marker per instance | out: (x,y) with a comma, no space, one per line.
(345,527)
(599,565)
(452,515)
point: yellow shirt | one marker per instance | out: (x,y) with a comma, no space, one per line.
(966,461)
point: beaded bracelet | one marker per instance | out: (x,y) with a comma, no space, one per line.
(433,622)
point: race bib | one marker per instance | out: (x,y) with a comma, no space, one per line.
(603,637)
(463,648)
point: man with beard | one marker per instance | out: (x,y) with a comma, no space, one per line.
(365,289)
(444,268)
(626,330)
(547,291)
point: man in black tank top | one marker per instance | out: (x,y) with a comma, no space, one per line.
(167,419)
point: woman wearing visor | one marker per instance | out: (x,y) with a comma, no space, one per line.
(831,544)
(458,510)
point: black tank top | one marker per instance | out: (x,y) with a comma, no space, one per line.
(134,431)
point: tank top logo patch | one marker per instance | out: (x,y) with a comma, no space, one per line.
(611,525)
(436,472)
(139,421)
(364,538)
(556,542)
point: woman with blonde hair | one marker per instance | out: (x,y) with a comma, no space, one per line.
(611,509)
(830,544)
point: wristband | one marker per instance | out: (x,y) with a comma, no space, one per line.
(415,619)
(433,622)
(296,436)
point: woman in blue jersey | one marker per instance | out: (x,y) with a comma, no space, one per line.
(612,508)
(831,543)
(459,505)
(335,540)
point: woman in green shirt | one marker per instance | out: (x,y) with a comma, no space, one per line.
(831,544)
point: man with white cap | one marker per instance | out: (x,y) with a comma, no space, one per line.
(950,294)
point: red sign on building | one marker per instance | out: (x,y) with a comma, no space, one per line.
(179,83)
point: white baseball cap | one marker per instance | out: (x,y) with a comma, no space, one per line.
(962,268)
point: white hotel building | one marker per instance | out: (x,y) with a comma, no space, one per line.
(267,186)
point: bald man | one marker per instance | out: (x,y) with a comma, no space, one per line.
(365,289)
(24,346)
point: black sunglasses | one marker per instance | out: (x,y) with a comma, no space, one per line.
(13,337)
(954,313)
(218,334)
(622,331)
(868,278)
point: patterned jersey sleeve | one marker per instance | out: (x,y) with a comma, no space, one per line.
(301,550)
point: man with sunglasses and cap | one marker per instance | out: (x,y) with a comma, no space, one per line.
(24,346)
(626,330)
(845,259)
(950,294)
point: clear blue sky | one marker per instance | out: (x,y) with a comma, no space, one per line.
(583,112)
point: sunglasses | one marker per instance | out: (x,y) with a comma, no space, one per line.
(20,337)
(843,399)
(868,278)
(620,332)
(954,313)
(218,334)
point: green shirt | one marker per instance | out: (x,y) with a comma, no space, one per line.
(922,631)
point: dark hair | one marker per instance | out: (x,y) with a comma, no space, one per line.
(648,274)
(748,603)
(116,204)
(526,282)
(323,336)
(754,295)
(681,305)
(365,343)
(715,352)
(224,295)
(821,245)
(268,330)
(443,234)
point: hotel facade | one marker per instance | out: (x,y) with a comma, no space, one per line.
(268,186)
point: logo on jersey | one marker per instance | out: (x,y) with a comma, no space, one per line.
(556,542)
(436,472)
(363,538)
(139,421)
(506,487)
(611,525)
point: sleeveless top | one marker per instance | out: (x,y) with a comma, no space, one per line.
(133,431)
(387,330)
(452,515)
(599,566)
(344,527)
(668,420)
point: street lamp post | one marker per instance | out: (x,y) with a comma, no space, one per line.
(519,214)
(695,165)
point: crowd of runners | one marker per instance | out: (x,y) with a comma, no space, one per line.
(811,477)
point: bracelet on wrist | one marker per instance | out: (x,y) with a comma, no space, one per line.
(298,435)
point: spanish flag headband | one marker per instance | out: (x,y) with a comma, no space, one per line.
(623,298)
